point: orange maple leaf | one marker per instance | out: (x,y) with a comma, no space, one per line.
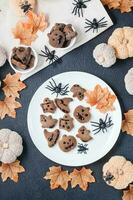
(24,34)
(11,171)
(13,85)
(26,31)
(8,106)
(127,123)
(57,177)
(82,178)
(122,5)
(38,22)
(102,98)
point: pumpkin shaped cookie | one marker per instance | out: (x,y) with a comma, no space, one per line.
(82,114)
(21,7)
(67,143)
(122,41)
(10,145)
(118,172)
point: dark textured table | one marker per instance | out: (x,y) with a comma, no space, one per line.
(31,185)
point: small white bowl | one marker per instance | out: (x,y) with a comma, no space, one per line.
(73,41)
(24,71)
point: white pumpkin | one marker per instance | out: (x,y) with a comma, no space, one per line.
(129,81)
(10,145)
(3,56)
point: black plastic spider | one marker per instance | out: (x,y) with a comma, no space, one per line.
(25,6)
(102,125)
(108,177)
(79,5)
(82,148)
(95,24)
(58,89)
(50,56)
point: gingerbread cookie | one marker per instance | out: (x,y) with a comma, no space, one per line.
(52,137)
(84,134)
(69,32)
(48,121)
(63,104)
(66,123)
(67,143)
(82,114)
(78,92)
(56,38)
(48,106)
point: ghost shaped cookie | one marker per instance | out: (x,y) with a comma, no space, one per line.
(78,92)
(48,106)
(66,123)
(63,104)
(67,143)
(82,114)
(48,121)
(21,7)
(84,134)
(51,137)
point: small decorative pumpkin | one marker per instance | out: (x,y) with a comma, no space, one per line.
(118,172)
(104,55)
(10,145)
(129,81)
(122,41)
(3,56)
(21,7)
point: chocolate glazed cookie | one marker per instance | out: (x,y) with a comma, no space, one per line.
(82,114)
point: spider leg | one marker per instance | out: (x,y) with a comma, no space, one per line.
(76,1)
(106,118)
(86,1)
(75,10)
(88,21)
(95,123)
(101,19)
(82,12)
(78,12)
(88,29)
(46,50)
(65,87)
(54,82)
(44,53)
(96,131)
(49,88)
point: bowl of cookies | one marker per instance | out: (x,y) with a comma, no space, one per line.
(23,59)
(62,36)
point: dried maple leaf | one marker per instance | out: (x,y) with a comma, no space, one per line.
(127,123)
(102,98)
(13,85)
(24,34)
(128,194)
(57,177)
(126,5)
(38,22)
(11,171)
(82,178)
(122,5)
(26,31)
(111,3)
(8,106)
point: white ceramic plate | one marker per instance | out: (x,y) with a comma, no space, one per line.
(101,144)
